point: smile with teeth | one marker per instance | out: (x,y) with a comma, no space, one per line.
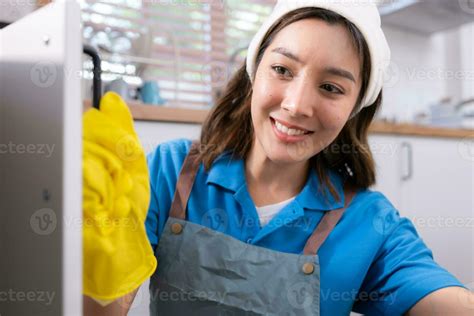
(289,131)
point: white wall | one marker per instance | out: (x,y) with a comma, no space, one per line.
(11,11)
(425,69)
(467,55)
(153,133)
(404,91)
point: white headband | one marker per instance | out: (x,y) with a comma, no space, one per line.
(362,13)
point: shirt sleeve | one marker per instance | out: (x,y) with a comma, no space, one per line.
(402,273)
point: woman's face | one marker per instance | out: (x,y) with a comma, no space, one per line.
(308,79)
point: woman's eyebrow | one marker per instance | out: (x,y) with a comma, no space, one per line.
(285,52)
(330,70)
(339,72)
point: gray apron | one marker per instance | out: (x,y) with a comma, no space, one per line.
(205,272)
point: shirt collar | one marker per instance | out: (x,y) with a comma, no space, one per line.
(229,173)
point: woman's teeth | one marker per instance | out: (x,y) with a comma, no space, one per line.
(289,131)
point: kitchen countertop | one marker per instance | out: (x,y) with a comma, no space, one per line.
(142,112)
(407,129)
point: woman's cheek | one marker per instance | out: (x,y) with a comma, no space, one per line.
(333,116)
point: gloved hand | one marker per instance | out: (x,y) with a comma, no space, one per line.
(118,257)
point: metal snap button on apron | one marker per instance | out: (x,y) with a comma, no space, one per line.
(176,228)
(308,268)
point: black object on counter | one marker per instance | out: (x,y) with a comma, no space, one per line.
(3,24)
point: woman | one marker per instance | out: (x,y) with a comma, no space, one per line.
(270,213)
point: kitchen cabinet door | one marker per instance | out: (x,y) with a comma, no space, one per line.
(430,181)
(437,195)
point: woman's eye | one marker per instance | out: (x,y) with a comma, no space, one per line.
(281,70)
(331,88)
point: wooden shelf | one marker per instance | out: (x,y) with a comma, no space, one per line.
(378,127)
(143,112)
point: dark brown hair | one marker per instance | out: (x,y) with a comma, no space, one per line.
(229,125)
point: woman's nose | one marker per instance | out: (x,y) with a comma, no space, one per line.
(300,99)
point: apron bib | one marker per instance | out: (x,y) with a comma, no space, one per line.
(205,272)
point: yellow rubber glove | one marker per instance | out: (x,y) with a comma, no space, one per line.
(118,257)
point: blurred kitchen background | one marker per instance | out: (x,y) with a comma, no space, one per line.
(187,50)
(171,59)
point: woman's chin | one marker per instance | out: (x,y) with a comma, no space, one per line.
(290,152)
(285,155)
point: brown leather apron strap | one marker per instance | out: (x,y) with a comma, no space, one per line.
(326,225)
(185,183)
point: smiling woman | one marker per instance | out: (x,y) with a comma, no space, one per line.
(264,215)
(305,95)
(312,83)
(312,72)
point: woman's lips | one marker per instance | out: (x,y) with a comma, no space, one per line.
(287,138)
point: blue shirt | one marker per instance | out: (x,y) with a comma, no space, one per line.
(373,262)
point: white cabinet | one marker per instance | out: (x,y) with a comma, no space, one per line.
(430,181)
